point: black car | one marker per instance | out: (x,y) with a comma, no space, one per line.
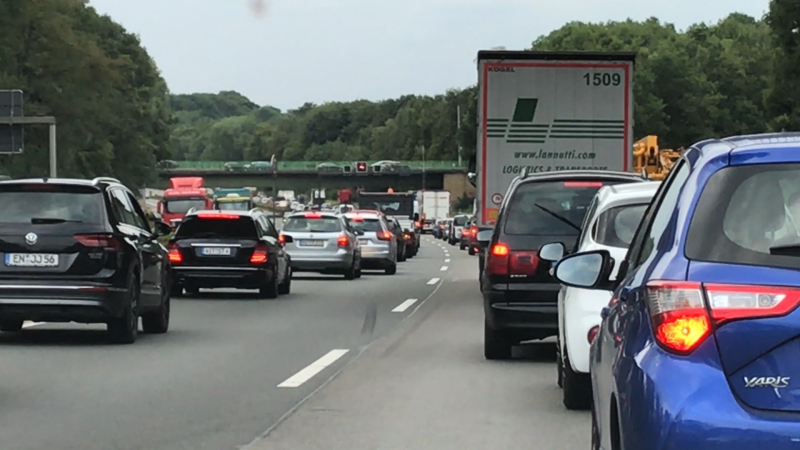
(230,249)
(403,246)
(81,251)
(520,297)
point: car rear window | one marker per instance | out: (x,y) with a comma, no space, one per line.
(242,205)
(34,204)
(549,207)
(183,206)
(744,211)
(460,221)
(312,225)
(367,225)
(197,228)
(616,226)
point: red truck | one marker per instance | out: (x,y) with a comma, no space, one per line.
(183,194)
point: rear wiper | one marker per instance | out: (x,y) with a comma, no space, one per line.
(561,219)
(51,220)
(785,250)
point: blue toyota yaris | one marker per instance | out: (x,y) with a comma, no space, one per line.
(699,347)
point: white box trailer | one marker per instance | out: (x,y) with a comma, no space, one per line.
(550,111)
(434,204)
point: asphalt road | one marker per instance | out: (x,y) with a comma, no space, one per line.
(230,367)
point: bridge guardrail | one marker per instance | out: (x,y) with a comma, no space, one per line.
(309,166)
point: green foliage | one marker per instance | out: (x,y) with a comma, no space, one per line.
(111,104)
(783,97)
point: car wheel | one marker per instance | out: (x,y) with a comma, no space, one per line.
(496,344)
(125,329)
(286,286)
(391,270)
(175,290)
(559,365)
(11,326)
(471,251)
(270,289)
(192,290)
(577,387)
(351,272)
(401,254)
(157,322)
(461,246)
(595,432)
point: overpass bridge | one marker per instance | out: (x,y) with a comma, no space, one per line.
(303,176)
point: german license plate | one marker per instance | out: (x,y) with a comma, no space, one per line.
(216,251)
(31,260)
(363,241)
(312,243)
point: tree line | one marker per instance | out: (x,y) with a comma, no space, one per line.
(117,117)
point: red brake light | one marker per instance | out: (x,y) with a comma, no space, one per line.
(174,254)
(417,224)
(217,216)
(281,239)
(500,250)
(592,334)
(259,255)
(106,241)
(343,241)
(596,184)
(357,219)
(384,236)
(497,261)
(313,216)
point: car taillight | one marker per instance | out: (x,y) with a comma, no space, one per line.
(104,241)
(592,334)
(417,224)
(313,216)
(281,239)
(504,261)
(407,236)
(343,241)
(259,255)
(384,236)
(681,321)
(174,253)
(217,216)
(497,260)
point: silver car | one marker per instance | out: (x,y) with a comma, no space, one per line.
(323,242)
(456,228)
(378,244)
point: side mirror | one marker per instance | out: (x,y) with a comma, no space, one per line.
(552,252)
(158,217)
(484,236)
(162,229)
(587,270)
(416,217)
(359,232)
(472,177)
(285,238)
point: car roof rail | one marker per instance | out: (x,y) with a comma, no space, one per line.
(523,173)
(99,180)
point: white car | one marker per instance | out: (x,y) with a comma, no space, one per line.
(610,224)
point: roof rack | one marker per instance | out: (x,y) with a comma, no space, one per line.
(99,180)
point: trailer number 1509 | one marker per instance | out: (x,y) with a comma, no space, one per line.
(602,79)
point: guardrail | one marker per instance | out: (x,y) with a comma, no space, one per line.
(310,166)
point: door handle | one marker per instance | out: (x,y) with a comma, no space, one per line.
(604,312)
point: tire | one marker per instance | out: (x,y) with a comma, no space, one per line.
(351,272)
(559,365)
(595,432)
(577,388)
(471,251)
(358,272)
(270,289)
(391,270)
(157,322)
(11,326)
(496,345)
(125,329)
(175,290)
(286,287)
(401,255)
(192,290)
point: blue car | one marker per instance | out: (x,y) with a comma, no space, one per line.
(699,347)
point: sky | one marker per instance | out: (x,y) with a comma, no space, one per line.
(343,50)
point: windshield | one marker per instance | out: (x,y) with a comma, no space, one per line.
(182,206)
(391,205)
(196,228)
(616,226)
(550,208)
(310,225)
(460,221)
(21,207)
(367,225)
(243,205)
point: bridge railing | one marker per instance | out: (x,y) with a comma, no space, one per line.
(312,166)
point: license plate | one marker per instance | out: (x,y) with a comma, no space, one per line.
(307,243)
(216,251)
(363,241)
(31,260)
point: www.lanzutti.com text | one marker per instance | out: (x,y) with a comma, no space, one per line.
(541,154)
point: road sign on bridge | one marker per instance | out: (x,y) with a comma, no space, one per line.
(12,135)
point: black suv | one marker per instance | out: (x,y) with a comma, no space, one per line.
(520,297)
(81,251)
(229,249)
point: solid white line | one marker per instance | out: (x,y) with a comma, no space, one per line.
(314,368)
(433,281)
(27,324)
(405,305)
(443,268)
(446,260)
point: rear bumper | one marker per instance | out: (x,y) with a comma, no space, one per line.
(534,318)
(222,277)
(67,302)
(321,264)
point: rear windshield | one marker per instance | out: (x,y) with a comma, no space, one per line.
(460,221)
(197,228)
(243,205)
(549,207)
(321,225)
(183,206)
(58,207)
(367,225)
(615,226)
(743,212)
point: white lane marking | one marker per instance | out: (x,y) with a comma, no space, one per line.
(433,281)
(27,324)
(443,268)
(405,305)
(314,368)
(446,260)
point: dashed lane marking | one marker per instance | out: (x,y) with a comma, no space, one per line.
(433,281)
(314,368)
(405,305)
(443,268)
